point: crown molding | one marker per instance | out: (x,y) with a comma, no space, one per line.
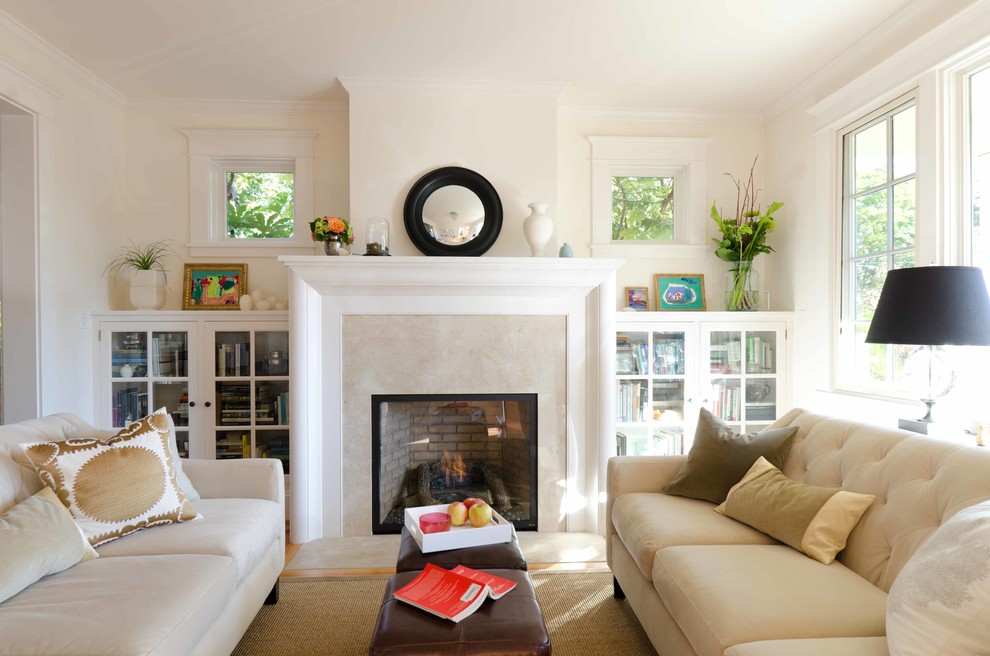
(16,31)
(215,106)
(875,73)
(452,87)
(26,91)
(574,112)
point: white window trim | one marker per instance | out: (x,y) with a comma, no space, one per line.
(845,341)
(210,152)
(682,158)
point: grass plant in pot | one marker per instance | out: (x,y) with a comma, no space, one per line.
(144,265)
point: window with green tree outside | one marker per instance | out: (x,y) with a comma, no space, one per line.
(259,205)
(642,208)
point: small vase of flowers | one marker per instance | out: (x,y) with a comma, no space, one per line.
(335,233)
(744,236)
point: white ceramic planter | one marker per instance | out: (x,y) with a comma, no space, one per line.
(147,289)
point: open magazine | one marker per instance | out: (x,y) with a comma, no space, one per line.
(452,594)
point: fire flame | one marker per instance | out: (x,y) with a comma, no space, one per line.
(453,467)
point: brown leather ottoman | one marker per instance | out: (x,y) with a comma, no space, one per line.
(505,555)
(510,626)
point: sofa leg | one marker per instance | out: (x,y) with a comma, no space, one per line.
(272,597)
(617,589)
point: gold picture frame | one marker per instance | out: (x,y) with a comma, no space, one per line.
(207,286)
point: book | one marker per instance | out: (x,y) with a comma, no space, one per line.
(497,585)
(452,594)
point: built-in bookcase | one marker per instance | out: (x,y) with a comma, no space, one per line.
(222,376)
(668,365)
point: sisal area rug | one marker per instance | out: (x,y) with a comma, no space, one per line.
(336,616)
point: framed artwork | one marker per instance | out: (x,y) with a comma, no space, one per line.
(679,291)
(213,286)
(638,298)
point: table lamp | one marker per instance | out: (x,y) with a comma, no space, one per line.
(931,306)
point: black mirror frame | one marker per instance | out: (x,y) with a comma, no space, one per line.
(445,177)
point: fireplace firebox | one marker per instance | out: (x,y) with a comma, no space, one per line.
(439,448)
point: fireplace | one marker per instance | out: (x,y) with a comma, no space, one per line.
(432,449)
(447,325)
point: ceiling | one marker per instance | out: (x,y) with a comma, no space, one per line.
(662,55)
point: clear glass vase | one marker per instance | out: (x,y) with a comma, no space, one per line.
(741,286)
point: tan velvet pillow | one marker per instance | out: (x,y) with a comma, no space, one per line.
(814,520)
(117,486)
(719,457)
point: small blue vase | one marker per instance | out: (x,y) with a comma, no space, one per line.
(566,250)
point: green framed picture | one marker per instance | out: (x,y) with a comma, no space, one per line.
(679,291)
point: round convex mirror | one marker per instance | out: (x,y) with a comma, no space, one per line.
(453,211)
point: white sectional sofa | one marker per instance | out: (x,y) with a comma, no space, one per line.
(704,584)
(181,589)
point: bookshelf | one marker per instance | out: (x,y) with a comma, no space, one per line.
(224,379)
(670,364)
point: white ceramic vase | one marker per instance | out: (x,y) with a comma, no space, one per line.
(538,228)
(147,289)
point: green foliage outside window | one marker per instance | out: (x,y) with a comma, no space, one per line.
(642,209)
(259,205)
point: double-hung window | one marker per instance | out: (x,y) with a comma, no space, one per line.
(878,234)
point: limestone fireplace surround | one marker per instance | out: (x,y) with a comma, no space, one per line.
(362,326)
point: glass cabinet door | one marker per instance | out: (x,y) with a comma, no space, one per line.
(251,393)
(149,369)
(651,392)
(743,377)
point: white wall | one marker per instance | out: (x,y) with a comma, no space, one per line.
(731,150)
(158,186)
(396,138)
(81,199)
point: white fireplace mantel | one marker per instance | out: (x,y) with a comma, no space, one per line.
(324,290)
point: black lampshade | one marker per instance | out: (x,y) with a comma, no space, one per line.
(932,306)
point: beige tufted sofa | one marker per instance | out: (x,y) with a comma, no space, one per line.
(179,590)
(703,584)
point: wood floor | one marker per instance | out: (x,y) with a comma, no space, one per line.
(292,549)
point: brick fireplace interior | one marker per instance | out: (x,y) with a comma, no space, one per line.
(436,449)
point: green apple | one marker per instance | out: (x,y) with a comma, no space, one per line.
(458,513)
(480,514)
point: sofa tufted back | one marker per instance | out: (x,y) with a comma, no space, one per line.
(919,482)
(18,480)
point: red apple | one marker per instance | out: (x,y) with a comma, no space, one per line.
(470,501)
(480,514)
(458,513)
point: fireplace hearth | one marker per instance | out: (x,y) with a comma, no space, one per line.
(436,449)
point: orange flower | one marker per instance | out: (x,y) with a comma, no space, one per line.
(336,225)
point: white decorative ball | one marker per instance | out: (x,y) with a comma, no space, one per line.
(256,294)
(281,305)
(271,299)
(246,302)
(264,305)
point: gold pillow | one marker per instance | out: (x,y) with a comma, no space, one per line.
(814,520)
(117,486)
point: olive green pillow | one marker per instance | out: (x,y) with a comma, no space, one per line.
(720,457)
(814,520)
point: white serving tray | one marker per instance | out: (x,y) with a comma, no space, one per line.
(458,537)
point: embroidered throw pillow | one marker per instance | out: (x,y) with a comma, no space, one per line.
(117,486)
(940,601)
(814,520)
